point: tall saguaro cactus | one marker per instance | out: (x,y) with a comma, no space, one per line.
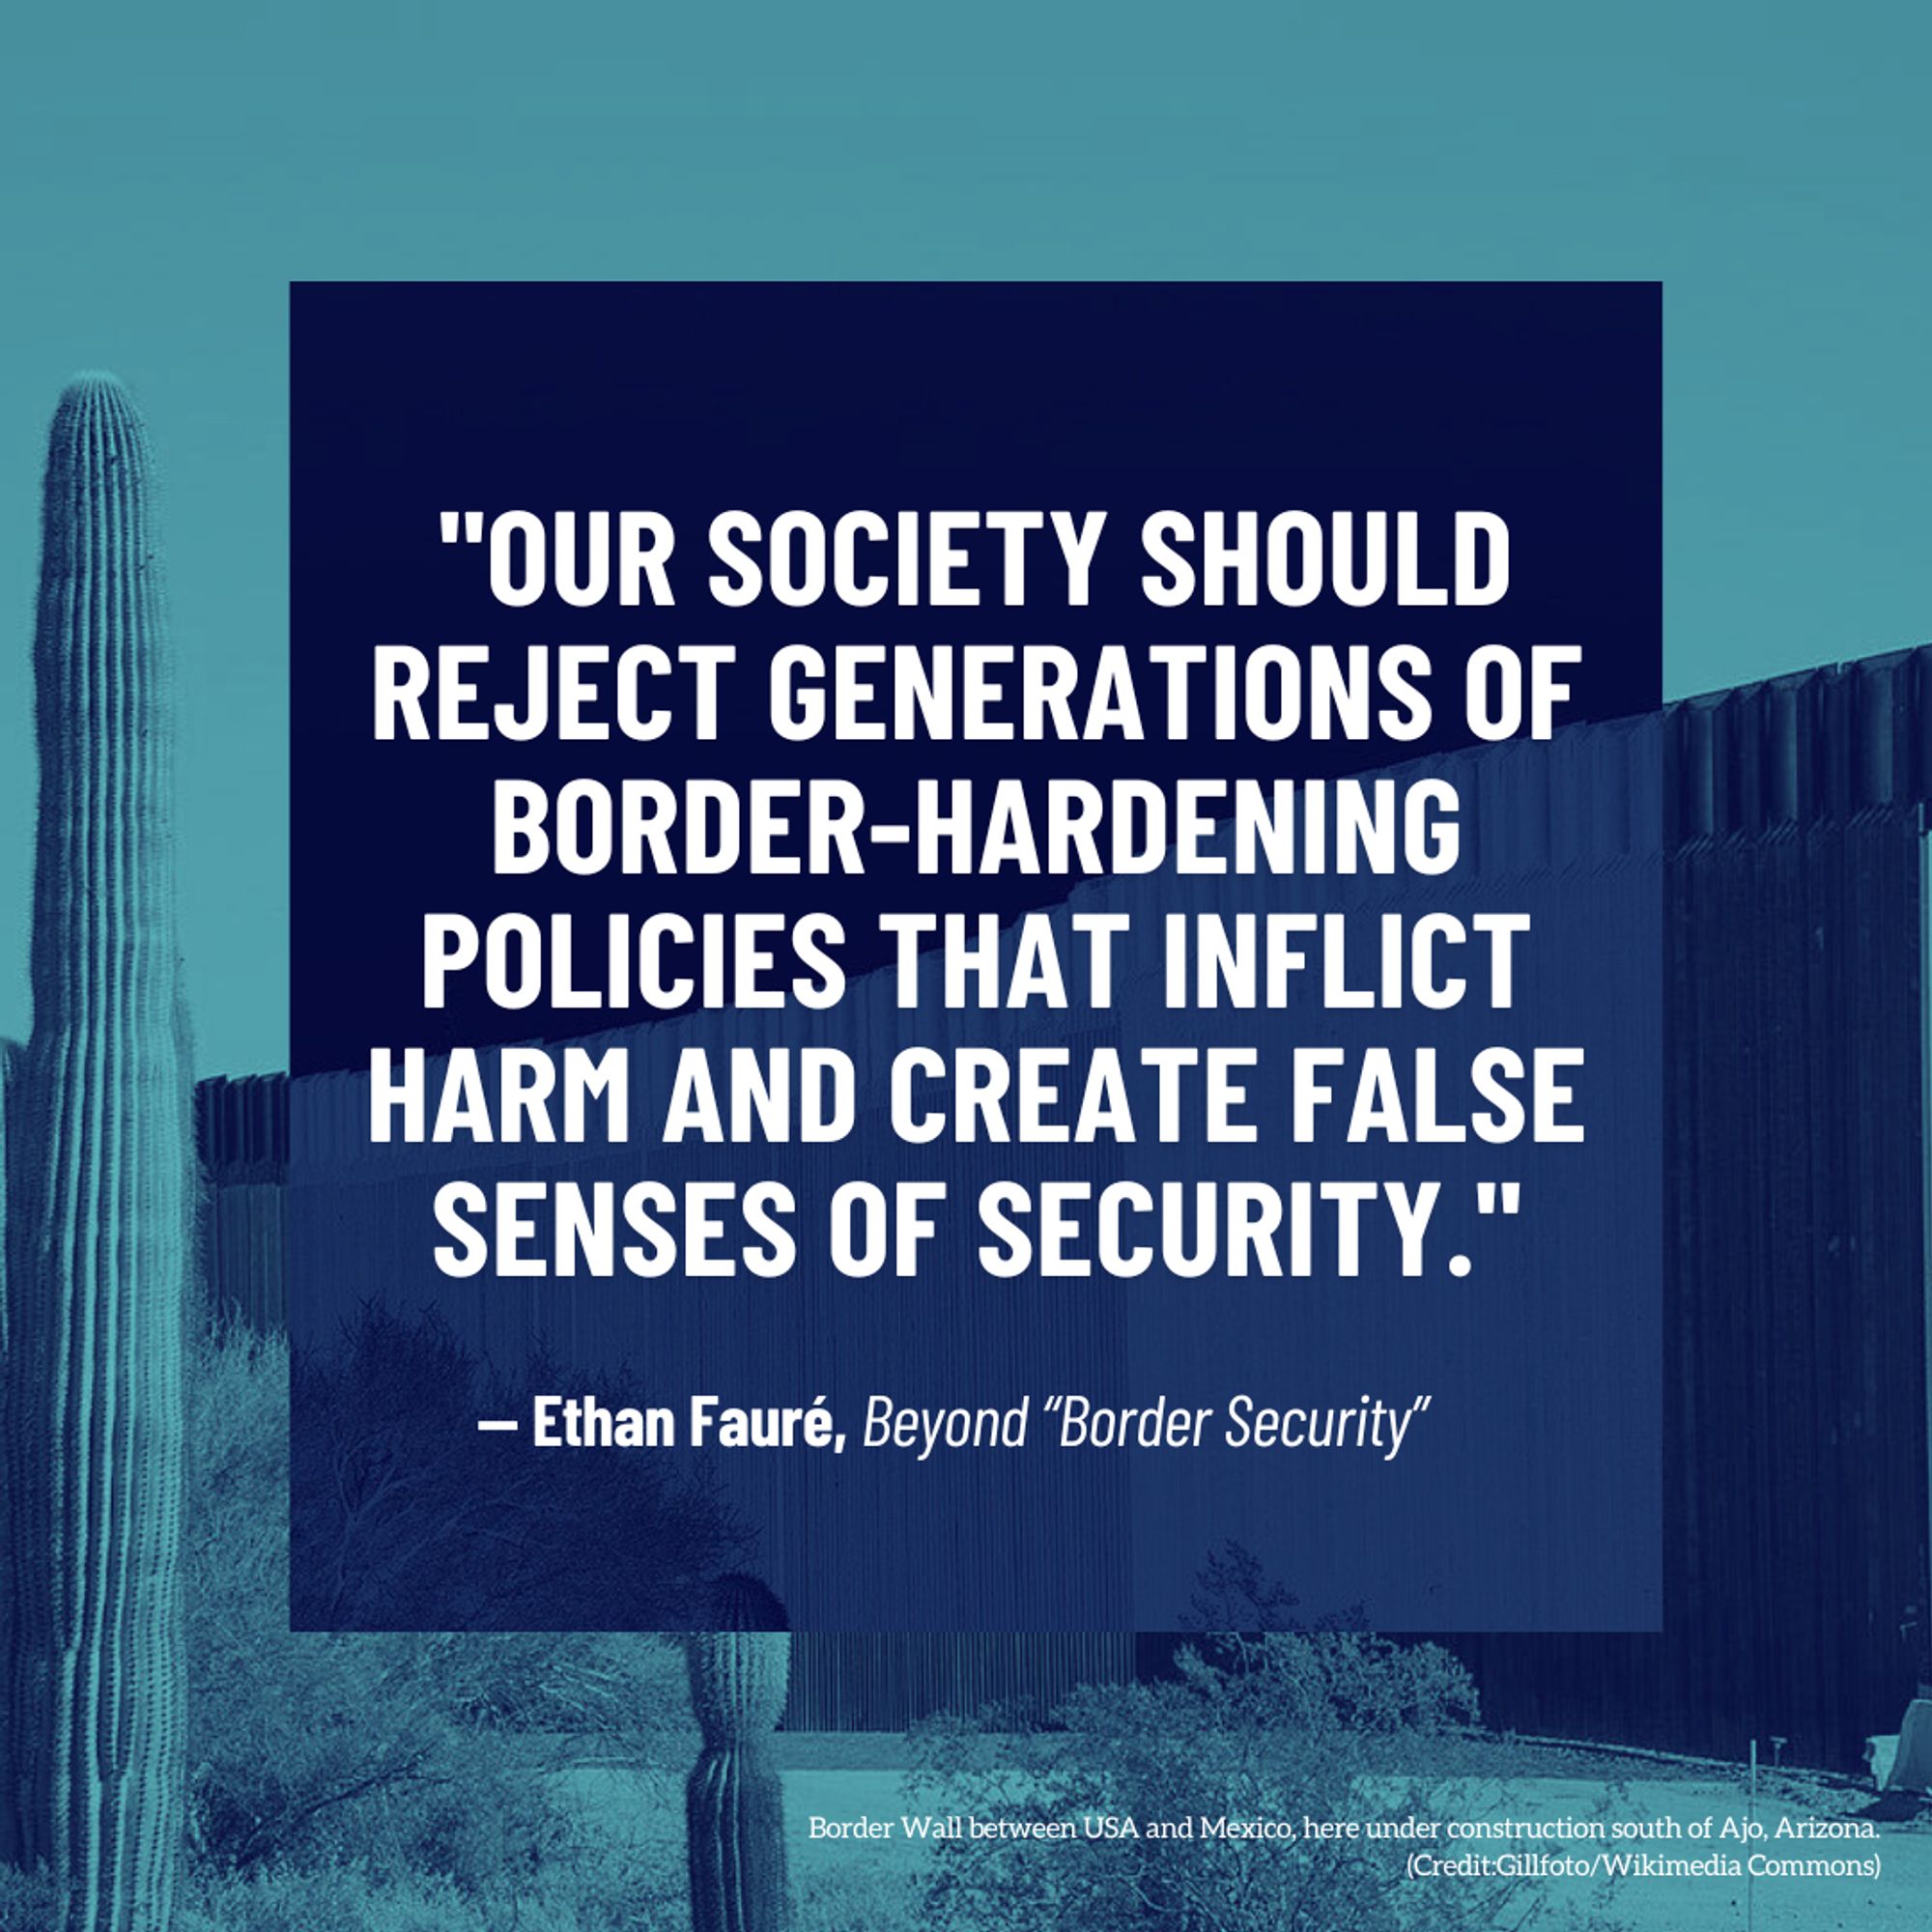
(99,1137)
(734,1802)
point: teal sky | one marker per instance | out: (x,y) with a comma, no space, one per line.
(169,170)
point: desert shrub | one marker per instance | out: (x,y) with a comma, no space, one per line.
(853,1895)
(26,1901)
(1274,1727)
(1234,1592)
(322,1901)
(353,1898)
(390,1780)
(410,1516)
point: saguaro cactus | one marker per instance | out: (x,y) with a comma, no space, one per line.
(98,1220)
(734,1804)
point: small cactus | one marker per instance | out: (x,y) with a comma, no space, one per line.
(734,1802)
(97,1219)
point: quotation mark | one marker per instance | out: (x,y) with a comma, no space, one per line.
(1486,1203)
(471,525)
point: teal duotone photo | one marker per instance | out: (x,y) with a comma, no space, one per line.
(173,1758)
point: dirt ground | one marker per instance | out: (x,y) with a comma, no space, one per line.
(1898,1900)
